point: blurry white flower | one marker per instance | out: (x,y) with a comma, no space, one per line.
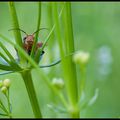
(58,82)
(104,61)
(81,57)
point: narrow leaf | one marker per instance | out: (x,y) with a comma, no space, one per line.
(38,26)
(5,67)
(7,52)
(15,25)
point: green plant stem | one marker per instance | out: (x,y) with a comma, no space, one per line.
(50,23)
(82,81)
(26,75)
(70,70)
(38,26)
(9,105)
(51,32)
(38,70)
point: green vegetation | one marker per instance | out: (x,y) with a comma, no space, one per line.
(82,37)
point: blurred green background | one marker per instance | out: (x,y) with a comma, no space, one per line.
(96,28)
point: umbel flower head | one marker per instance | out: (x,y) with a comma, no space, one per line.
(81,57)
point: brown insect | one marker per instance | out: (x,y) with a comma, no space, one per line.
(28,41)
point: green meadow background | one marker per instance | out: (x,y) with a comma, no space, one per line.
(96,28)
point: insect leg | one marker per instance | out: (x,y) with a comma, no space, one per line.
(41,55)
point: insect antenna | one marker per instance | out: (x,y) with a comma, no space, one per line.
(39,30)
(18,29)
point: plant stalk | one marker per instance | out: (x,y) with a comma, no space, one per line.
(67,47)
(69,68)
(26,75)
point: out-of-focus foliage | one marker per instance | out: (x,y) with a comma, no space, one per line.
(97,30)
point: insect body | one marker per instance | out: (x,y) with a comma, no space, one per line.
(28,41)
(28,44)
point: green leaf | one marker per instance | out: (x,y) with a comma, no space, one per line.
(5,58)
(3,114)
(6,72)
(15,25)
(5,67)
(37,56)
(7,52)
(50,33)
(94,98)
(15,66)
(57,109)
(89,102)
(38,26)
(3,107)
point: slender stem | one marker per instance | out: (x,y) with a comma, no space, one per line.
(9,102)
(67,47)
(50,23)
(38,70)
(52,30)
(56,19)
(15,24)
(26,75)
(38,26)
(82,81)
(9,105)
(71,79)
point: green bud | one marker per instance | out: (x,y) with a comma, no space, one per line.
(4,89)
(81,57)
(6,83)
(58,83)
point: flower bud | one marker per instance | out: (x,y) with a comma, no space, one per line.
(58,83)
(4,89)
(6,82)
(1,83)
(81,57)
